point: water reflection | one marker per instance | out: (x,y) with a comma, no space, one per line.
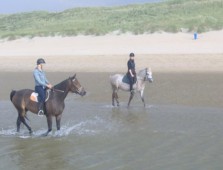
(136,118)
(41,153)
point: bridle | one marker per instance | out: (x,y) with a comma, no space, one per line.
(79,90)
(74,88)
(145,77)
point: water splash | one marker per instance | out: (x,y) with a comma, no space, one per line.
(90,127)
(8,132)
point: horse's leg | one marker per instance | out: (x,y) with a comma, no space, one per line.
(22,119)
(58,119)
(142,97)
(116,98)
(130,98)
(49,123)
(18,123)
(113,98)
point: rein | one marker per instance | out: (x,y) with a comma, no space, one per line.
(57,90)
(53,89)
(141,78)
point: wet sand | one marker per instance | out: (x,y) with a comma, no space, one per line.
(190,89)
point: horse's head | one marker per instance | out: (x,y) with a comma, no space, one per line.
(146,74)
(76,86)
(149,75)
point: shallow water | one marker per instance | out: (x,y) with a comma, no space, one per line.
(96,136)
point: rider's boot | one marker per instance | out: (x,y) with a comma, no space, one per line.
(132,91)
(41,111)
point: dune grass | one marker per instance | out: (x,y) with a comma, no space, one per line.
(169,16)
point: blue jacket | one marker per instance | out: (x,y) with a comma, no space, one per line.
(40,78)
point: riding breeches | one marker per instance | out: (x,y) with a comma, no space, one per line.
(131,81)
(41,93)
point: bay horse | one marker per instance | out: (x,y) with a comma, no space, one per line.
(54,106)
(120,81)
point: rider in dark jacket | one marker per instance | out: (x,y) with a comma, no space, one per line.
(131,74)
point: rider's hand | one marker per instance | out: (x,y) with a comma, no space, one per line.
(49,86)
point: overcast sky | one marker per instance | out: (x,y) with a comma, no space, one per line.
(15,6)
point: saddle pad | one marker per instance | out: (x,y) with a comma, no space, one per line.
(34,97)
(125,79)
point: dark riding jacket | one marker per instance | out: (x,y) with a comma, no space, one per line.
(131,66)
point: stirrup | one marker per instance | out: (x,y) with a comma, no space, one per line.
(40,113)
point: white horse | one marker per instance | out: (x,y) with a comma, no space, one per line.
(120,81)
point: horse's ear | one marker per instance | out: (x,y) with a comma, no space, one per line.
(73,77)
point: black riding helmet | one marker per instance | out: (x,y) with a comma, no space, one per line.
(131,55)
(40,61)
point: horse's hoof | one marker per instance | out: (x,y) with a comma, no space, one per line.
(45,134)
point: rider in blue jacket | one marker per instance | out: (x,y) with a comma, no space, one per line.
(41,83)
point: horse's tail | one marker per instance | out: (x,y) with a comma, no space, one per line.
(110,78)
(12,94)
(113,82)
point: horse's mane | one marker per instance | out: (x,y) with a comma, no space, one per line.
(142,72)
(62,85)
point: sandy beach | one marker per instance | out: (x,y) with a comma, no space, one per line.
(181,66)
(162,52)
(180,127)
(179,63)
(176,59)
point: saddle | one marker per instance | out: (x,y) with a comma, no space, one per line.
(125,79)
(34,96)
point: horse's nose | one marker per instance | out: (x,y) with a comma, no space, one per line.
(150,80)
